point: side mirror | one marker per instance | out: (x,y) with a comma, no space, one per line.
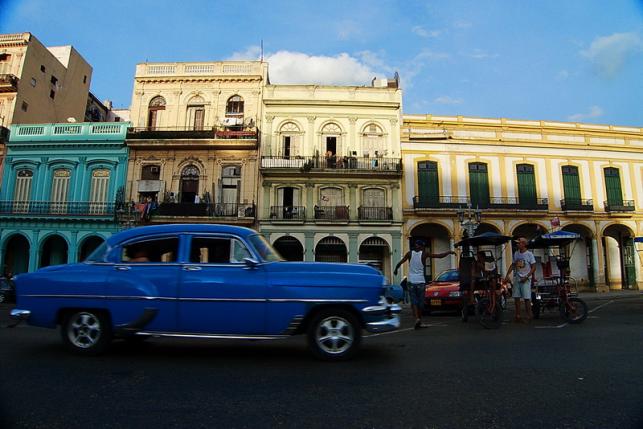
(250,263)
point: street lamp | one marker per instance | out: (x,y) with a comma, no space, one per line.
(469,219)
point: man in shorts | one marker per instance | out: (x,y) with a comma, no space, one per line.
(416,282)
(523,266)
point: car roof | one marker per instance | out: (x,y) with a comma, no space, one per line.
(143,231)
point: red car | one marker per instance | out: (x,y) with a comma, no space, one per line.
(443,293)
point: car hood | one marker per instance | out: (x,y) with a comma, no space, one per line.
(443,286)
(323,274)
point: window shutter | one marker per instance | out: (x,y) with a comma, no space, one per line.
(526,185)
(571,185)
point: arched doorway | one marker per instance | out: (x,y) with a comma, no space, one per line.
(529,231)
(581,259)
(16,251)
(498,251)
(289,248)
(53,251)
(438,240)
(375,252)
(189,186)
(331,249)
(620,257)
(88,245)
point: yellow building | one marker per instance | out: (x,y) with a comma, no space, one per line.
(526,177)
(193,145)
(330,172)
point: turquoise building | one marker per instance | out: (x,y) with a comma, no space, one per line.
(58,192)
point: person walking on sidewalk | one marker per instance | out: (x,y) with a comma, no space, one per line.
(416,282)
(523,266)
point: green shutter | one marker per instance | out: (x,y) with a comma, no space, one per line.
(613,187)
(526,185)
(479,185)
(428,185)
(571,186)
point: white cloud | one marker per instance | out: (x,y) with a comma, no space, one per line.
(445,99)
(288,67)
(423,32)
(594,112)
(610,53)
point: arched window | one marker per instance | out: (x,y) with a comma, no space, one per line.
(196,113)
(98,190)
(154,112)
(373,141)
(60,190)
(22,191)
(290,139)
(234,106)
(189,186)
(331,196)
(331,140)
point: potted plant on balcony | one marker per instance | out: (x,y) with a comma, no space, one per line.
(306,166)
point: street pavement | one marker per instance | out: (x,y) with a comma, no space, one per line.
(450,375)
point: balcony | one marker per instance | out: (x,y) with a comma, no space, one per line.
(442,202)
(8,83)
(228,211)
(193,133)
(57,210)
(331,214)
(575,204)
(288,213)
(619,206)
(375,214)
(494,203)
(514,203)
(334,164)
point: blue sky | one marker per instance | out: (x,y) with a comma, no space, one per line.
(568,60)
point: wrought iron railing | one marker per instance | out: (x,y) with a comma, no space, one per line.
(335,163)
(619,206)
(288,213)
(193,132)
(375,213)
(494,203)
(331,213)
(442,202)
(57,209)
(241,210)
(577,204)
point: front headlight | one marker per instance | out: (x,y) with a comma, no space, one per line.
(455,294)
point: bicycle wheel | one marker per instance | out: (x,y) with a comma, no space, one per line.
(490,318)
(575,311)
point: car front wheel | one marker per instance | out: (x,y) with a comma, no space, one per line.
(334,335)
(86,332)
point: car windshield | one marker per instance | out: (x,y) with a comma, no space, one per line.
(265,250)
(98,255)
(448,276)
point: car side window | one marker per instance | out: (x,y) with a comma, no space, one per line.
(217,250)
(159,250)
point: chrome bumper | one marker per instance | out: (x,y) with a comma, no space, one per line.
(385,325)
(18,314)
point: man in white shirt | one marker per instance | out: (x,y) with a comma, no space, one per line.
(523,266)
(416,282)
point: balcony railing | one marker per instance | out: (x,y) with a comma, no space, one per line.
(294,213)
(573,204)
(442,202)
(331,213)
(8,83)
(56,209)
(334,163)
(619,206)
(215,210)
(213,133)
(494,203)
(375,213)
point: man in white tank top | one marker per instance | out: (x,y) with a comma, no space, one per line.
(415,281)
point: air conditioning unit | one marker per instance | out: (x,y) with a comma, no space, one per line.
(230,122)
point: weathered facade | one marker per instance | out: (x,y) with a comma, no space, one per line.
(527,177)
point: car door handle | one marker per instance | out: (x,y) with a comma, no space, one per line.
(121,268)
(192,268)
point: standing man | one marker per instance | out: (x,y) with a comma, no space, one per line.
(523,266)
(416,282)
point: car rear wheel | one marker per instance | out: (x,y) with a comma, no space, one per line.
(334,334)
(86,332)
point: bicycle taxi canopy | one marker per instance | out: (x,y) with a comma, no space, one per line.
(638,239)
(484,239)
(556,238)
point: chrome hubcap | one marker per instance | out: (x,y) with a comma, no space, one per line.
(84,330)
(335,335)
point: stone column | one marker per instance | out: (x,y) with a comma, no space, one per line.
(267,136)
(265,214)
(599,277)
(309,144)
(72,252)
(453,261)
(309,251)
(353,251)
(352,201)
(310,201)
(352,137)
(396,201)
(34,251)
(396,254)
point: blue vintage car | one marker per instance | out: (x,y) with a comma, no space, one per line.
(204,281)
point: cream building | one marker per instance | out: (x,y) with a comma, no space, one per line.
(330,172)
(523,175)
(193,145)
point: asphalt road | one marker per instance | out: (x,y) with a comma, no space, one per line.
(449,375)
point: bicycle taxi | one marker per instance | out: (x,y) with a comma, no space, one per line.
(557,291)
(479,277)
